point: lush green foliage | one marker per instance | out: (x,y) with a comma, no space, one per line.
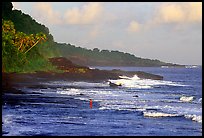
(22,51)
(16,45)
(26,24)
(11,56)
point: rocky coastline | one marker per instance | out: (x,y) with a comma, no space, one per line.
(72,72)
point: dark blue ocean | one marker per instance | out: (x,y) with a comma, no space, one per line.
(140,107)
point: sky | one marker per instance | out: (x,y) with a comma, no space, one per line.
(167,31)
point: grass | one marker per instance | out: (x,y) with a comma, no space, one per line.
(33,65)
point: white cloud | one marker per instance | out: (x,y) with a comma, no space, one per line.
(44,12)
(195,14)
(178,16)
(134,26)
(179,13)
(88,14)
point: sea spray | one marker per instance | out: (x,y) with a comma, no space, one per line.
(136,82)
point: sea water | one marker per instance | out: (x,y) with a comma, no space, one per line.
(139,107)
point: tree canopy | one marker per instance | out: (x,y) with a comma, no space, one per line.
(22,37)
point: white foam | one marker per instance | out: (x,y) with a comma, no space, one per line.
(124,77)
(136,82)
(125,81)
(89,84)
(147,102)
(186,98)
(200,100)
(75,84)
(164,66)
(158,114)
(191,66)
(91,68)
(7,119)
(82,98)
(71,91)
(197,118)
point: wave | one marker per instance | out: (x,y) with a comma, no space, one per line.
(193,117)
(7,119)
(136,82)
(197,118)
(124,81)
(71,91)
(164,66)
(158,114)
(200,100)
(91,68)
(150,104)
(191,66)
(75,84)
(135,77)
(186,98)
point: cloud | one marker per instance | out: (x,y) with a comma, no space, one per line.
(196,12)
(88,14)
(134,26)
(46,13)
(176,16)
(179,13)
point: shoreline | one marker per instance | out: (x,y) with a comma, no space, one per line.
(12,81)
(71,72)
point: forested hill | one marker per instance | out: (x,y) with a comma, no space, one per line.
(26,44)
(97,57)
(26,24)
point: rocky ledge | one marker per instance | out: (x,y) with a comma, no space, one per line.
(72,72)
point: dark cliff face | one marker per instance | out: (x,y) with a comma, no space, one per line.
(145,75)
(64,64)
(96,74)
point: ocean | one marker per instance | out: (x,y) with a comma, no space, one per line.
(140,107)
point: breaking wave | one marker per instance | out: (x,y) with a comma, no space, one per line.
(197,118)
(75,84)
(71,91)
(186,98)
(136,82)
(131,97)
(200,100)
(158,114)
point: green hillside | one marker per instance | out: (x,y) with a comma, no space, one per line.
(26,24)
(19,32)
(98,57)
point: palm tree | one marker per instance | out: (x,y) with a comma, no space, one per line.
(39,37)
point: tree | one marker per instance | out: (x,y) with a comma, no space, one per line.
(15,45)
(6,9)
(96,50)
